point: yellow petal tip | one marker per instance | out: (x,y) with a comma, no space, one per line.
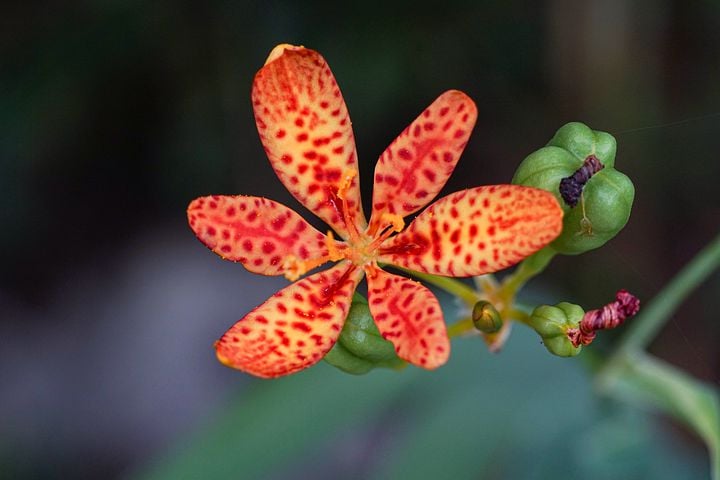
(278,51)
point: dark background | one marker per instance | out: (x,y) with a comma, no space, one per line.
(115,114)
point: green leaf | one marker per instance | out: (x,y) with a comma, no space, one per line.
(645,380)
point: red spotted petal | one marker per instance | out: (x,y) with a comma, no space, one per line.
(476,231)
(305,127)
(415,167)
(295,328)
(265,236)
(408,315)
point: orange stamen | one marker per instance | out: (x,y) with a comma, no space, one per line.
(343,187)
(296,268)
(334,254)
(395,223)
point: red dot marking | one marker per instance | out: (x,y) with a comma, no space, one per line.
(444,111)
(302,137)
(281,308)
(301,326)
(391,180)
(211,231)
(286,159)
(405,154)
(473,230)
(491,230)
(230,211)
(280,133)
(299,122)
(310,154)
(226,248)
(268,247)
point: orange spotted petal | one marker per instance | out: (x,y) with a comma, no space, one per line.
(408,315)
(293,329)
(265,236)
(305,128)
(476,231)
(415,167)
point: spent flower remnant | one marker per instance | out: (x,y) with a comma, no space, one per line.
(306,131)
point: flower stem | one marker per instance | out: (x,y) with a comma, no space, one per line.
(651,319)
(460,327)
(528,268)
(450,285)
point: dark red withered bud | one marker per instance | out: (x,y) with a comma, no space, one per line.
(610,316)
(571,187)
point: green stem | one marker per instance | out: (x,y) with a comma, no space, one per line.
(651,319)
(450,285)
(528,268)
(460,327)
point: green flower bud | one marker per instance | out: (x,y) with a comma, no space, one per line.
(607,194)
(552,323)
(360,347)
(486,318)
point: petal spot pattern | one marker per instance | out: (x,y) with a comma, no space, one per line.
(408,315)
(314,308)
(488,229)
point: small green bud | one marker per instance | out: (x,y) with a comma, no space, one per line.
(486,318)
(360,347)
(552,324)
(605,194)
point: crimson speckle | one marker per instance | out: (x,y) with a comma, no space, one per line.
(301,326)
(405,154)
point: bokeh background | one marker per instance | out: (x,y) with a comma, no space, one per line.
(115,114)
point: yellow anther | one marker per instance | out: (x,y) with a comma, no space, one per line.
(393,219)
(346,182)
(333,252)
(293,267)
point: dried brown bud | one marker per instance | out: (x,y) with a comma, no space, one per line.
(610,316)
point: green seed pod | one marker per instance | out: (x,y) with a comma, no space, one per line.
(604,196)
(360,347)
(552,323)
(486,318)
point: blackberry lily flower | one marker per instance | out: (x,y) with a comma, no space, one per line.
(306,131)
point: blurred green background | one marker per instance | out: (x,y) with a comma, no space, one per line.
(115,114)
